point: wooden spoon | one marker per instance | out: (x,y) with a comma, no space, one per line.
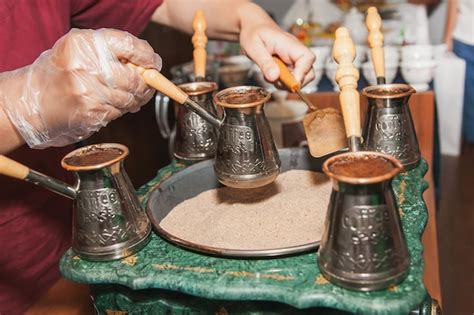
(199,40)
(324,128)
(347,76)
(375,39)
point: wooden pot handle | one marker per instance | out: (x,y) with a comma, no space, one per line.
(12,168)
(159,82)
(347,76)
(286,77)
(375,39)
(199,40)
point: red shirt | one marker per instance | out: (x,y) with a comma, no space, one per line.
(35,224)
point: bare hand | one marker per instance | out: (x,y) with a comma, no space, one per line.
(261,38)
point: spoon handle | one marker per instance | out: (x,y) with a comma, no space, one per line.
(374,25)
(346,77)
(11,168)
(286,77)
(199,40)
(160,83)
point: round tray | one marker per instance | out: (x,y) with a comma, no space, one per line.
(200,177)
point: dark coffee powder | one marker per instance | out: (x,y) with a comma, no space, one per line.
(93,156)
(245,97)
(364,166)
(389,92)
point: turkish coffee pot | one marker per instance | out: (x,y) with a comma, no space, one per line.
(363,246)
(108,221)
(389,125)
(192,138)
(246,155)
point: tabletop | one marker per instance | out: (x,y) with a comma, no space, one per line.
(294,280)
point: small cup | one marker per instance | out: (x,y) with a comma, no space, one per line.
(321,53)
(391,55)
(369,72)
(418,73)
(417,52)
(285,114)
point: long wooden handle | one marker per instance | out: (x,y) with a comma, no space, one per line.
(374,25)
(347,77)
(286,77)
(12,168)
(159,82)
(199,40)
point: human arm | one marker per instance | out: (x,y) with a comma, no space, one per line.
(451,14)
(260,37)
(11,139)
(74,89)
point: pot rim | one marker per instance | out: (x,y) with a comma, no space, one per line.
(211,86)
(96,166)
(398,167)
(241,89)
(370,90)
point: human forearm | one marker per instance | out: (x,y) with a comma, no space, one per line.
(11,139)
(74,88)
(451,13)
(259,36)
(223,17)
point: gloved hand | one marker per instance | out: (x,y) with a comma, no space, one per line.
(77,87)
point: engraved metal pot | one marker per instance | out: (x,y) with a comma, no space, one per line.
(193,138)
(363,246)
(108,221)
(389,126)
(246,155)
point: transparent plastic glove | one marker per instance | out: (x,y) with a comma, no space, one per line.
(77,87)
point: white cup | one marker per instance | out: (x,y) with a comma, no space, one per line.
(361,54)
(391,55)
(418,73)
(321,53)
(369,72)
(417,52)
(283,112)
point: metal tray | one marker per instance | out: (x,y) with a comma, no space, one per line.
(200,177)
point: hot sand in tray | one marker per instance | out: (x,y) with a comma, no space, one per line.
(289,212)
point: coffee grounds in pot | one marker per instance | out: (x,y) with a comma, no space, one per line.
(243,97)
(289,212)
(94,155)
(361,166)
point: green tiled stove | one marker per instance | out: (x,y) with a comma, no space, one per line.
(166,279)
